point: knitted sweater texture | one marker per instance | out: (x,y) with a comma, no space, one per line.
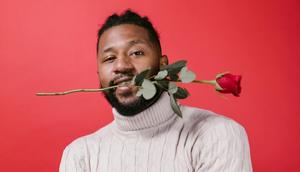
(157,140)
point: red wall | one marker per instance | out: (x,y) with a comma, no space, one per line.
(50,46)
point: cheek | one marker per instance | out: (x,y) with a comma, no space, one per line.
(104,76)
(150,62)
(103,82)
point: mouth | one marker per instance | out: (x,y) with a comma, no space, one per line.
(123,82)
(125,87)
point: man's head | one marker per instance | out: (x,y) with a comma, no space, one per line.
(127,45)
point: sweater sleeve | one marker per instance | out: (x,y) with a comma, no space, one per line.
(222,146)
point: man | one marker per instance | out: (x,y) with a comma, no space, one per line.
(146,135)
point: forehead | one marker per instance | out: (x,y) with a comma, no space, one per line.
(121,34)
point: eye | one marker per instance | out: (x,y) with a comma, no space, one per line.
(137,53)
(109,59)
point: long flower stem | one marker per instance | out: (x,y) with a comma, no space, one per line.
(76,90)
(211,82)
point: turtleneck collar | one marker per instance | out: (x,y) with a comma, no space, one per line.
(155,115)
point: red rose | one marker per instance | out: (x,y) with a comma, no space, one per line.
(228,83)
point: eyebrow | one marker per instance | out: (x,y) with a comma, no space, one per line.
(131,43)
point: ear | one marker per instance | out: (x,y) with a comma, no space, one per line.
(164,60)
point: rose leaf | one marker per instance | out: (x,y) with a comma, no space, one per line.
(187,76)
(148,89)
(161,75)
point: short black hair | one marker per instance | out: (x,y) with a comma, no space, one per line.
(130,17)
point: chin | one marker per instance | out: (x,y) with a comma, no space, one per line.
(126,96)
(128,100)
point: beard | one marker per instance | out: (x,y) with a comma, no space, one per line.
(134,107)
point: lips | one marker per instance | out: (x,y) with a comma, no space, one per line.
(122,81)
(125,88)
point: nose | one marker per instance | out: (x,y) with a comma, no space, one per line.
(123,64)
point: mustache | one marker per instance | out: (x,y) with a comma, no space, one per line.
(119,76)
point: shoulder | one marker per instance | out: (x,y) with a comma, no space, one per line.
(207,129)
(206,123)
(89,142)
(78,153)
(218,142)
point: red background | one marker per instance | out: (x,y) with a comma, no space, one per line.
(50,46)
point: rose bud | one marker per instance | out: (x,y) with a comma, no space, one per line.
(228,83)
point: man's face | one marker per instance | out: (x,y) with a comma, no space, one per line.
(124,51)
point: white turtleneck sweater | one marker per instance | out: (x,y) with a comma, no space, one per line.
(157,140)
